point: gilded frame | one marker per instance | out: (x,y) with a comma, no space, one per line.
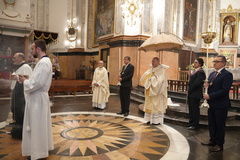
(190,20)
(103,19)
(223,17)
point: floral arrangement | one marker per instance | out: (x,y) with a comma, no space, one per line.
(228,58)
(191,66)
(33,61)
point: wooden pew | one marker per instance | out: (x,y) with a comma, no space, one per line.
(73,86)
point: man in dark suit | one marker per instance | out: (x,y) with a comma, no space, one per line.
(125,79)
(195,93)
(219,84)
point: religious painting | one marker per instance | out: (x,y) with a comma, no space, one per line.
(103,19)
(190,20)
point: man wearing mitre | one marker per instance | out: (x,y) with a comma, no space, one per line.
(155,84)
(100,87)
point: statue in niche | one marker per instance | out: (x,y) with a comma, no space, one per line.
(228,32)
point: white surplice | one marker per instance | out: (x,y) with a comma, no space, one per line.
(155,84)
(37,127)
(100,93)
(25,70)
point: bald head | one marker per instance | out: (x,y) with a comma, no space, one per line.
(100,64)
(18,58)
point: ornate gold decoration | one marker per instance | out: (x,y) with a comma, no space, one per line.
(208,37)
(132,9)
(230,10)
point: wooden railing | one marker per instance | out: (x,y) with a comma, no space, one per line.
(182,86)
(183,75)
(177,85)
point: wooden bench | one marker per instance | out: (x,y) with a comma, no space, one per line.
(73,86)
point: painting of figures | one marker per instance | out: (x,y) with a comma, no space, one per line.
(190,20)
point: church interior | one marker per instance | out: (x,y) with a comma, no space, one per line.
(79,33)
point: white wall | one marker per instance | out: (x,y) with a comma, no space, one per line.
(58,22)
(21,6)
(235,4)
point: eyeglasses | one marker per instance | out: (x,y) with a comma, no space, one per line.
(216,61)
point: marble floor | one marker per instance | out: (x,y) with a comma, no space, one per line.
(83,132)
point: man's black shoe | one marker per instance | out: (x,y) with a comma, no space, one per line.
(208,143)
(126,114)
(120,113)
(192,128)
(216,149)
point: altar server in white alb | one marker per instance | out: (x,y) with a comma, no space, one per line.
(100,87)
(37,126)
(155,84)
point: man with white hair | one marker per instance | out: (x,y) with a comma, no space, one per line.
(18,97)
(100,87)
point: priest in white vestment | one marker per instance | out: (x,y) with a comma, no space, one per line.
(155,84)
(100,87)
(37,127)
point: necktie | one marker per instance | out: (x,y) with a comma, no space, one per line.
(124,69)
(214,76)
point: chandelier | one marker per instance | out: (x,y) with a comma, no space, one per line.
(131,10)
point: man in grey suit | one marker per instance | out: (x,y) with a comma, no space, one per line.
(219,84)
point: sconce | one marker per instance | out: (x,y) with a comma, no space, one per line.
(72,31)
(132,9)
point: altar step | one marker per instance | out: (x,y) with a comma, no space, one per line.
(179,114)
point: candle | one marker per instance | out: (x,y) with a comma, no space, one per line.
(119,58)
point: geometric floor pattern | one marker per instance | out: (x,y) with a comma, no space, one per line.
(96,137)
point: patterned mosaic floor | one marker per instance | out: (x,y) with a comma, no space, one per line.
(97,136)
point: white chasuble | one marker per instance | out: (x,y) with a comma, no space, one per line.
(101,91)
(37,127)
(155,84)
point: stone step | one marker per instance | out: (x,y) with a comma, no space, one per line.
(136,100)
(182,111)
(137,95)
(179,115)
(233,124)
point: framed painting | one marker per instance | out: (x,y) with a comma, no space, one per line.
(103,19)
(190,20)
